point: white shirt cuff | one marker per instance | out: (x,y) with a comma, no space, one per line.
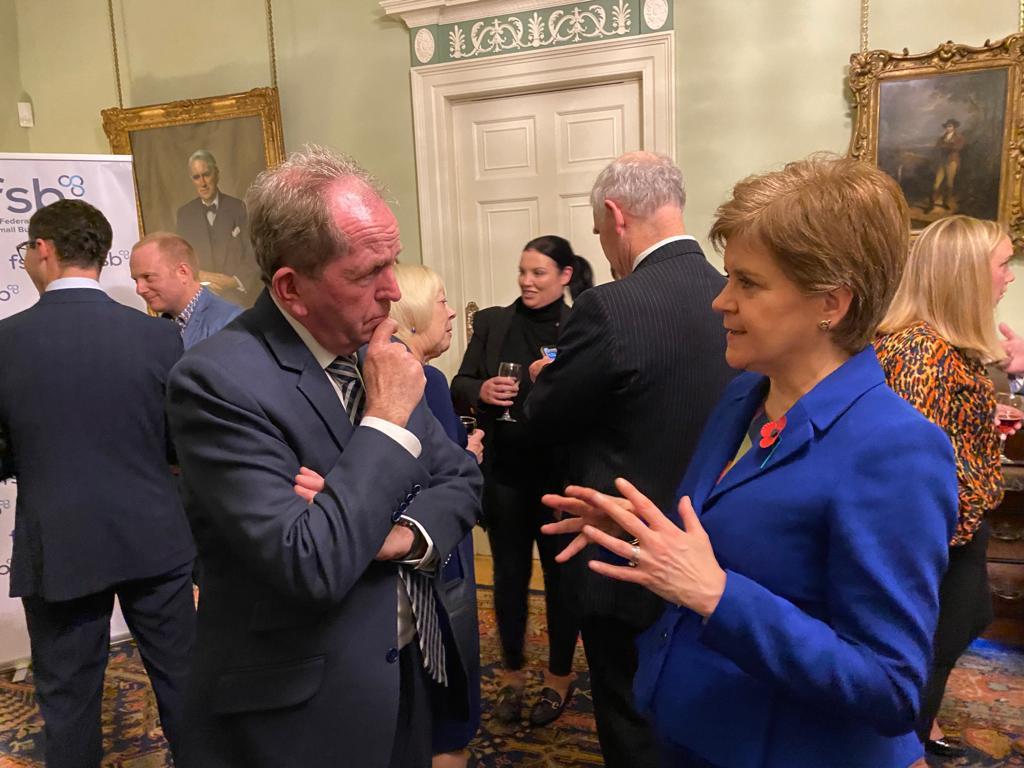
(402,436)
(429,557)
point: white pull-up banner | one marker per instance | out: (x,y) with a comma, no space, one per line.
(29,182)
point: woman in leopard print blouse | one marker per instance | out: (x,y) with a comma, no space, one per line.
(939,335)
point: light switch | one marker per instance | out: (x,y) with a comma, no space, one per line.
(25,119)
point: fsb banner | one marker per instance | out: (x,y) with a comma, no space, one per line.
(29,182)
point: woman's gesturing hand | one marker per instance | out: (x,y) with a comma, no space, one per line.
(677,564)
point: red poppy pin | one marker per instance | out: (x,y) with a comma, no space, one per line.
(770,432)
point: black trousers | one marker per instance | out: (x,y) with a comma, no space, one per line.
(514,518)
(627,740)
(70,644)
(412,732)
(965,609)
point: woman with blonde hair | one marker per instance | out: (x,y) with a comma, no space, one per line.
(800,568)
(425,325)
(939,334)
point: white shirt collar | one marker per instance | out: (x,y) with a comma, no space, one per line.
(323,357)
(63,283)
(657,245)
(215,201)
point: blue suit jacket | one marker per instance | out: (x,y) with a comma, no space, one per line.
(295,662)
(210,315)
(82,406)
(834,549)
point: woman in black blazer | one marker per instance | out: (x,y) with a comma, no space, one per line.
(515,468)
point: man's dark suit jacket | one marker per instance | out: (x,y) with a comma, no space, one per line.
(82,405)
(296,658)
(225,247)
(641,363)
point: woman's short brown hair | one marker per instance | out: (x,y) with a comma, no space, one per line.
(829,222)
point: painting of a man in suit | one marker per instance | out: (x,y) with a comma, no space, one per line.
(216,225)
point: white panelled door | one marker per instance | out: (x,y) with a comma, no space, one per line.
(524,166)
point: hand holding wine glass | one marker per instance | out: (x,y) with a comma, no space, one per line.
(1009,413)
(509,371)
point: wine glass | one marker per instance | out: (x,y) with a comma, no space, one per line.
(513,371)
(468,424)
(1008,416)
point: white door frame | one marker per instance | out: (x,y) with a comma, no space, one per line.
(649,59)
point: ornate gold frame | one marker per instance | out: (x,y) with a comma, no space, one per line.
(119,124)
(868,70)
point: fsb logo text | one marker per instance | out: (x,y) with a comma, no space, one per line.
(23,200)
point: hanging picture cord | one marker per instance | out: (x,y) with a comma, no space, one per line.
(864,13)
(270,44)
(113,45)
(273,47)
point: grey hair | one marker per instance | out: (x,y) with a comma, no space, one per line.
(640,183)
(206,156)
(290,220)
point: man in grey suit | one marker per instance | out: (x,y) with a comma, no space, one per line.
(166,274)
(217,227)
(319,640)
(640,365)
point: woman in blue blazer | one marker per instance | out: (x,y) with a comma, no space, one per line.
(802,570)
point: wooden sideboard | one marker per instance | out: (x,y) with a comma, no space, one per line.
(1006,553)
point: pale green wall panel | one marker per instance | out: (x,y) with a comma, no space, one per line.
(13,138)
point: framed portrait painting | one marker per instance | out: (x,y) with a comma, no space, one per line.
(946,125)
(193,162)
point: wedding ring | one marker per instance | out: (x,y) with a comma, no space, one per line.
(635,559)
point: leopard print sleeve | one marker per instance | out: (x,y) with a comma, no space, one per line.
(952,391)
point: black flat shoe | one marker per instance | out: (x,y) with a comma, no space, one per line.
(550,706)
(508,706)
(944,748)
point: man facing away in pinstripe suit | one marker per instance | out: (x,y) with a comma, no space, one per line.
(640,365)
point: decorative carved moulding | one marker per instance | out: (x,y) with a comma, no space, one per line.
(444,31)
(948,125)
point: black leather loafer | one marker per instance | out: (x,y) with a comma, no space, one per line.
(550,706)
(944,748)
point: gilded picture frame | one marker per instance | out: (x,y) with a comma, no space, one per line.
(948,126)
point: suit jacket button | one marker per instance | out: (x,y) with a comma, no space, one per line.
(417,488)
(409,497)
(397,516)
(392,655)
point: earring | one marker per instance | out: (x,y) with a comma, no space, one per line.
(413,329)
(824,324)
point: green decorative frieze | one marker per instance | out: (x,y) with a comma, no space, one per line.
(535,30)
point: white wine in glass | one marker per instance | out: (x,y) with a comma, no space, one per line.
(513,371)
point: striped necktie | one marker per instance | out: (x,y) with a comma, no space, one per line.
(345,371)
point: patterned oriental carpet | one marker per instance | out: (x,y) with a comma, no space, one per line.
(984,705)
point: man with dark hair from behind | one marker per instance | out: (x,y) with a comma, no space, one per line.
(166,274)
(98,514)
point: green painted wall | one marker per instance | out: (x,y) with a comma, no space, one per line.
(758,83)
(343,73)
(13,138)
(762,83)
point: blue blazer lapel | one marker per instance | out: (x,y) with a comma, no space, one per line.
(756,462)
(816,410)
(292,354)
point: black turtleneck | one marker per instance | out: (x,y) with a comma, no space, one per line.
(529,330)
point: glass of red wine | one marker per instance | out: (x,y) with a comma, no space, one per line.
(1009,412)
